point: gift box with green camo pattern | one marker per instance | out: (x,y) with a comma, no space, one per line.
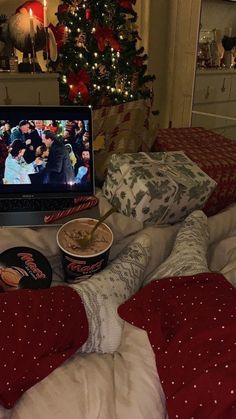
(156,188)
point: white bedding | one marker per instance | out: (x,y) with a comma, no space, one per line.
(125,384)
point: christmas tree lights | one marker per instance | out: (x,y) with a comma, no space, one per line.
(98,61)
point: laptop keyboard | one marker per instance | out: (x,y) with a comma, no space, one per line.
(35,204)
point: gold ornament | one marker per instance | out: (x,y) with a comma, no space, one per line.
(131,26)
(120,83)
(75,4)
(102,70)
(129,31)
(81,41)
(135,81)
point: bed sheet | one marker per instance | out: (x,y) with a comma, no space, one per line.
(126,383)
(98,386)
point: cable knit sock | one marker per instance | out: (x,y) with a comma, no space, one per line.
(105,291)
(188,256)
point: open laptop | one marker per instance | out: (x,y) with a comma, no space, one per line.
(40,175)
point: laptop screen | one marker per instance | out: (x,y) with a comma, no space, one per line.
(46,150)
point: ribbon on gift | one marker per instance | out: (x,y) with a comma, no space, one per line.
(164,167)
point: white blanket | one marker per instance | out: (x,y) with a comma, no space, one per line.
(125,384)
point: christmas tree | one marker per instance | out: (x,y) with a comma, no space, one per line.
(98,59)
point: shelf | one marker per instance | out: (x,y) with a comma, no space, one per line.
(29,89)
(5,75)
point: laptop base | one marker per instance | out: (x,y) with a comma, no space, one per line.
(36,219)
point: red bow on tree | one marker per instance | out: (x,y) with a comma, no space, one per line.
(104,36)
(138,61)
(63,8)
(77,83)
(127,4)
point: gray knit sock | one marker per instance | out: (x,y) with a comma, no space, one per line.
(105,291)
(188,256)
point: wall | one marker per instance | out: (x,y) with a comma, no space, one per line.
(171,36)
(153,20)
(183,43)
(218,14)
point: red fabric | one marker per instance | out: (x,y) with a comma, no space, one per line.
(104,36)
(213,153)
(127,4)
(78,83)
(60,33)
(39,330)
(191,326)
(36,7)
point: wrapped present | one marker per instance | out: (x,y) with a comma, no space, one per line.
(156,188)
(126,128)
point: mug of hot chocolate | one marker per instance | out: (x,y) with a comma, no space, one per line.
(80,262)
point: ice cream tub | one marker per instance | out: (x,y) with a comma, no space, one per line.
(24,267)
(81,262)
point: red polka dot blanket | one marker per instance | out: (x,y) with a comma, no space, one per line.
(39,330)
(191,326)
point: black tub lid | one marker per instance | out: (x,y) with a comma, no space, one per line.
(24,267)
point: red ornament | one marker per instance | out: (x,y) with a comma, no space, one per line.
(127,4)
(88,14)
(78,83)
(104,36)
(62,8)
(138,61)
